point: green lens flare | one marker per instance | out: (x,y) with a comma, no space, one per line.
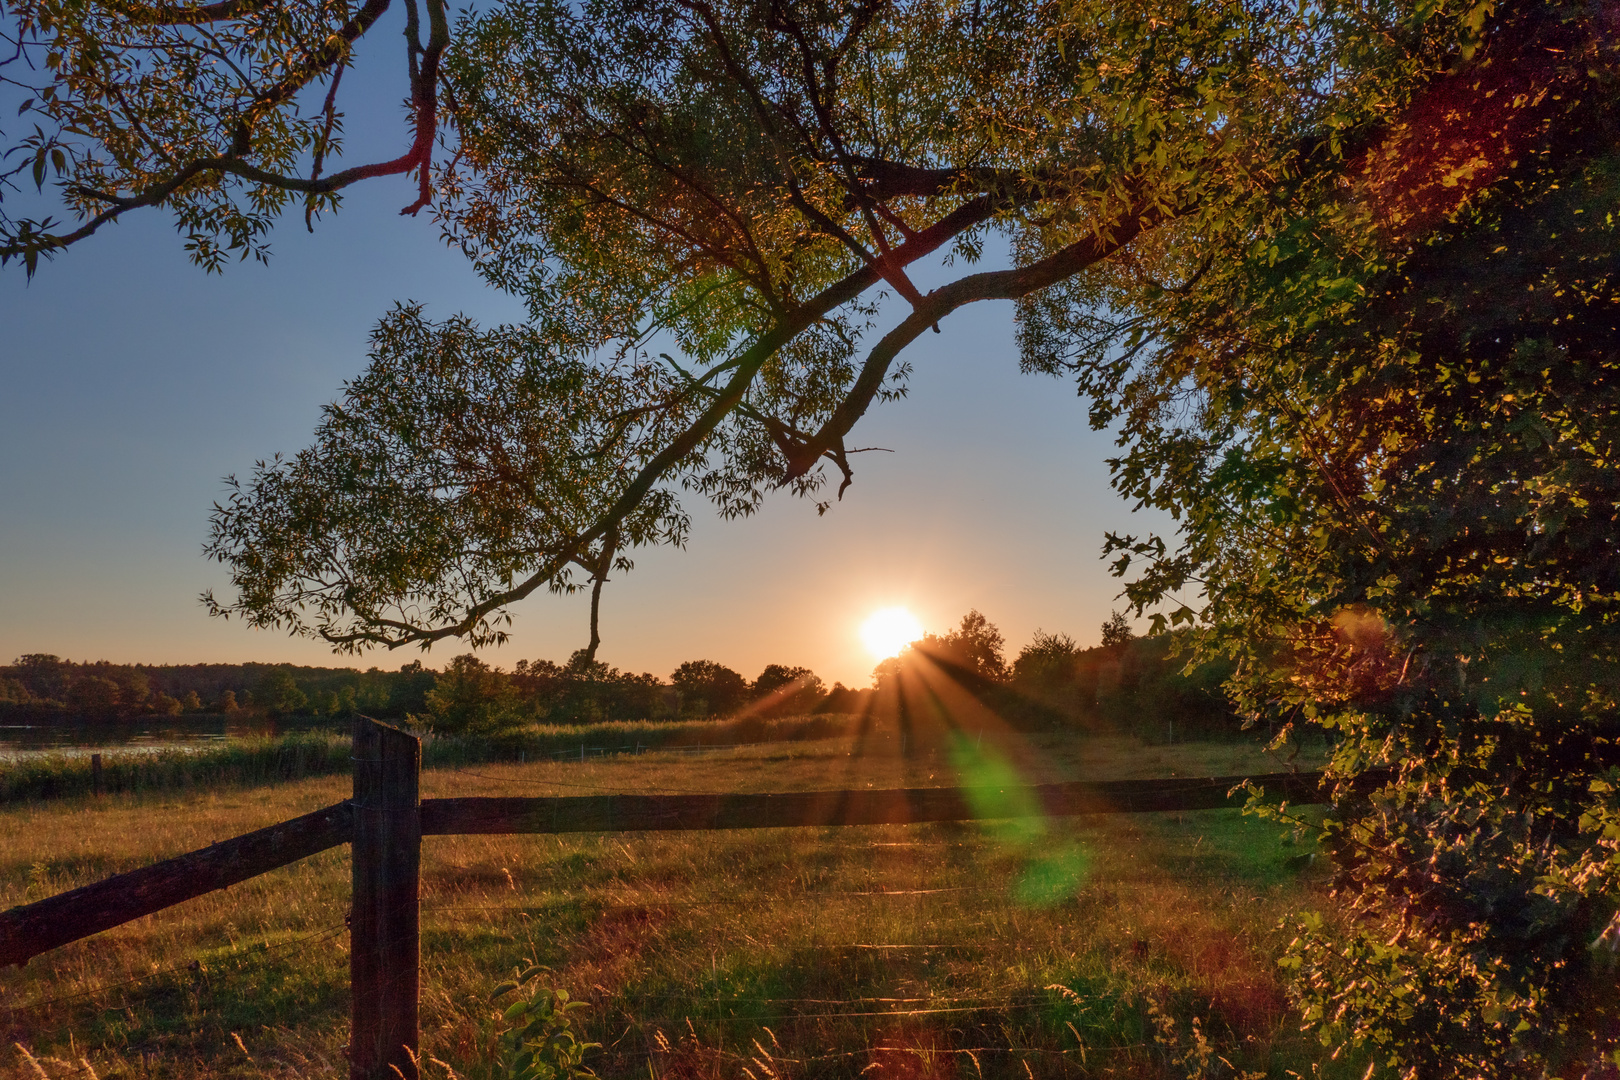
(995,790)
(1053,877)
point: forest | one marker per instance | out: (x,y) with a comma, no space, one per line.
(1140,684)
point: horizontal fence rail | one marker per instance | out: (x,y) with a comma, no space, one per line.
(897,806)
(31,929)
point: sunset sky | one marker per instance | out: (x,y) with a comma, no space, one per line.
(134,382)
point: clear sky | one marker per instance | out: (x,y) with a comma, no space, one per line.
(131,382)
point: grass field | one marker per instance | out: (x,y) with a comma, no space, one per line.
(252,762)
(1127,945)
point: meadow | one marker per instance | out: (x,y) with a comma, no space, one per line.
(1123,945)
(254,761)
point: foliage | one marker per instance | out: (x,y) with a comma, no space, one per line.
(453,433)
(541,1043)
(742,182)
(708,689)
(1384,416)
(471,698)
(1152,688)
(46,689)
(204,110)
(1148,687)
(1047,659)
(973,651)
(1116,631)
(975,646)
(841,699)
(1341,274)
(468,697)
(781,690)
(279,693)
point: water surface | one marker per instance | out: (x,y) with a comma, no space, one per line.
(147,734)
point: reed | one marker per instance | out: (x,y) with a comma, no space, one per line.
(253,762)
(239,763)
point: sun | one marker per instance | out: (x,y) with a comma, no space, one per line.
(889,630)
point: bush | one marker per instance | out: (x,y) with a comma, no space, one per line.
(541,1044)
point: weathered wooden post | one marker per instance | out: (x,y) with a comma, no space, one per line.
(384,931)
(95,773)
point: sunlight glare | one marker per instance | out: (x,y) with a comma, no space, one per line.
(889,630)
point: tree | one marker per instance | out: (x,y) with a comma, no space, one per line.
(1241,227)
(1386,420)
(44,675)
(279,693)
(969,656)
(227,702)
(708,689)
(13,692)
(471,698)
(92,694)
(1117,631)
(784,690)
(199,109)
(135,688)
(1047,662)
(974,646)
(741,181)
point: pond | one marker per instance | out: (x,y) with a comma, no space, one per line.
(147,734)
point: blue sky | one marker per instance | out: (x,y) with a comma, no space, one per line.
(134,382)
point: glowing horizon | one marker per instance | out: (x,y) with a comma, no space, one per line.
(888,630)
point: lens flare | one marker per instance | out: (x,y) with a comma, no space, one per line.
(887,631)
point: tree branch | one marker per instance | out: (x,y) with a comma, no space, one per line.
(992,285)
(746,366)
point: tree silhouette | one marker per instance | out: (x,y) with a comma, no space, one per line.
(745,200)
(1117,631)
(708,688)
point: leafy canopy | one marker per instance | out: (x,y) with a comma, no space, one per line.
(703,205)
(1387,423)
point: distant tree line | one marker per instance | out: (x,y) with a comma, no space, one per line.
(467,696)
(43,688)
(1125,683)
(470,696)
(1138,685)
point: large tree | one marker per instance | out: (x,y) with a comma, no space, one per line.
(224,113)
(703,205)
(1389,421)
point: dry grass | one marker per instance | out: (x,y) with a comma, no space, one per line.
(916,951)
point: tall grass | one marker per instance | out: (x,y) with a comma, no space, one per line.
(631,736)
(239,763)
(301,755)
(1131,945)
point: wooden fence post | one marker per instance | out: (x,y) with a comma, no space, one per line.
(384,929)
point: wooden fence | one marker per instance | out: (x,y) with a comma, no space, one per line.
(386,819)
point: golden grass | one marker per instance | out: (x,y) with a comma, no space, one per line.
(915,951)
